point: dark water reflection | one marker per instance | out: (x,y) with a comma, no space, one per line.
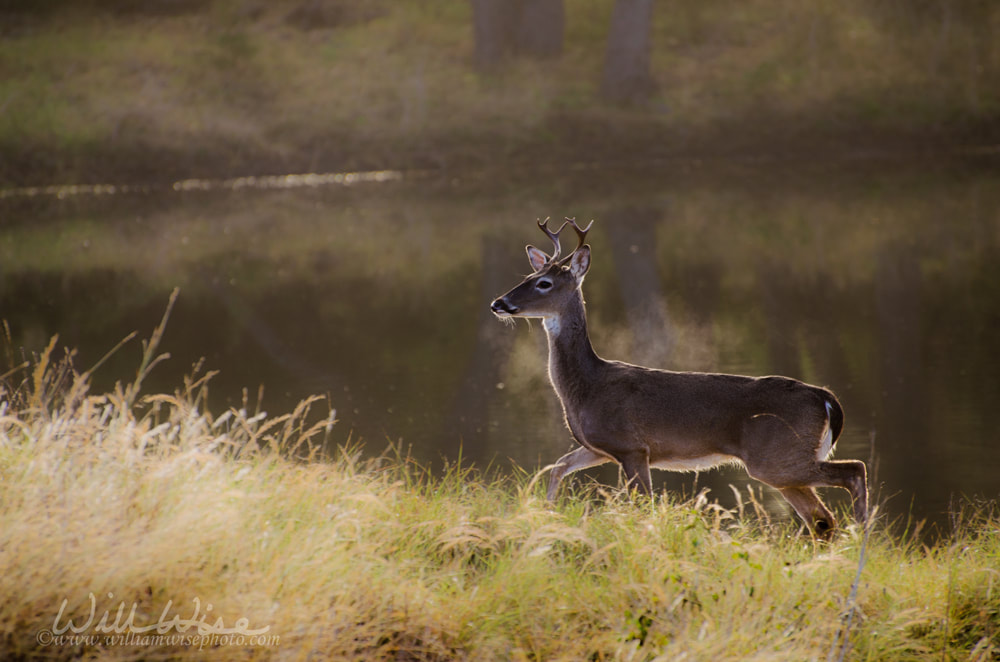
(882,284)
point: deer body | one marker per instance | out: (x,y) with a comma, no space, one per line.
(781,429)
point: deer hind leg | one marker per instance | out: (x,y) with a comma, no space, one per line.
(853,477)
(807,504)
(781,459)
(576,460)
(798,485)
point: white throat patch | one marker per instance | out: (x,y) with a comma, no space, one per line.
(552,325)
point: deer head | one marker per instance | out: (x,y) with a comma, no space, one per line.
(555,279)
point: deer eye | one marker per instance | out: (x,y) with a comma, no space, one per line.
(543,285)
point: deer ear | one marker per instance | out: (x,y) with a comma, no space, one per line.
(580,262)
(536,257)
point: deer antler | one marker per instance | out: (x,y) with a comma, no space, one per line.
(554,236)
(581,234)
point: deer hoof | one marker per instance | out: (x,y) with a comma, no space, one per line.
(823,528)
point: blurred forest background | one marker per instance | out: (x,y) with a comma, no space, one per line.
(139,90)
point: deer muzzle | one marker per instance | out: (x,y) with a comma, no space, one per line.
(503,307)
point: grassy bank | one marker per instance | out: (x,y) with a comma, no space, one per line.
(228,536)
(147,91)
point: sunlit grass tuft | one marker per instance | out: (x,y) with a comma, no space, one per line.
(152,502)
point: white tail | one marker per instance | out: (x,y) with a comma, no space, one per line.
(781,429)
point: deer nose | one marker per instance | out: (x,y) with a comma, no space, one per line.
(502,306)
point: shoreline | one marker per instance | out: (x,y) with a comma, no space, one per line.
(573,141)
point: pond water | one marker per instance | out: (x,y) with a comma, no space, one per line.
(879,280)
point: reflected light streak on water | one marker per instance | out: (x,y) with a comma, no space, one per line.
(251,182)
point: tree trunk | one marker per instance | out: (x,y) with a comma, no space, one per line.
(492,23)
(525,27)
(627,77)
(540,28)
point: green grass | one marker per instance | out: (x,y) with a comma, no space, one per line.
(122,501)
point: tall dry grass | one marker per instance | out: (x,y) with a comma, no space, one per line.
(155,517)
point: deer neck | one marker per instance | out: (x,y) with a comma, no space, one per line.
(572,360)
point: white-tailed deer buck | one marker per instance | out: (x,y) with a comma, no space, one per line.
(782,430)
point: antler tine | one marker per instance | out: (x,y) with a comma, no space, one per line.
(581,233)
(554,236)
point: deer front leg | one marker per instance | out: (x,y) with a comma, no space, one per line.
(576,460)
